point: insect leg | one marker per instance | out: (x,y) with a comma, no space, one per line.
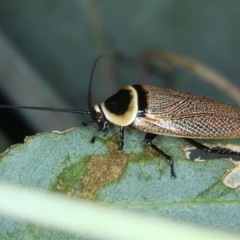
(121,139)
(210,150)
(103,126)
(85,124)
(148,139)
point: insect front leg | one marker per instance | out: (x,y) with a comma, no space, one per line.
(121,139)
(148,139)
(210,150)
(103,126)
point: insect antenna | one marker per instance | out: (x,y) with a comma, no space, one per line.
(90,87)
(46,109)
(90,92)
(89,112)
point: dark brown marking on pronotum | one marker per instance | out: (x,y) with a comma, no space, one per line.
(142,100)
(159,111)
(119,102)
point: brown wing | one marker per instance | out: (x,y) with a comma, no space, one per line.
(180,114)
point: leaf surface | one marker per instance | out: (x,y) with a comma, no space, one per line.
(136,179)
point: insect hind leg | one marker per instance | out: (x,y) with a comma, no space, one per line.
(210,150)
(148,139)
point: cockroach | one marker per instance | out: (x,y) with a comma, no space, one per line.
(159,111)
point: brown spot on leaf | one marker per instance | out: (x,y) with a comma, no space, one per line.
(103,170)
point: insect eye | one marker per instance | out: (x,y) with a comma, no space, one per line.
(99,117)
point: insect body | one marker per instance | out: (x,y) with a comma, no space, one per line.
(159,111)
(168,112)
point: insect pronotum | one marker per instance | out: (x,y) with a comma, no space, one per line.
(159,111)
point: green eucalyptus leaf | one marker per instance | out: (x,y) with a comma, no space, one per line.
(137,178)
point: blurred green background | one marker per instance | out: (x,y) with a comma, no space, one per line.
(47,50)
